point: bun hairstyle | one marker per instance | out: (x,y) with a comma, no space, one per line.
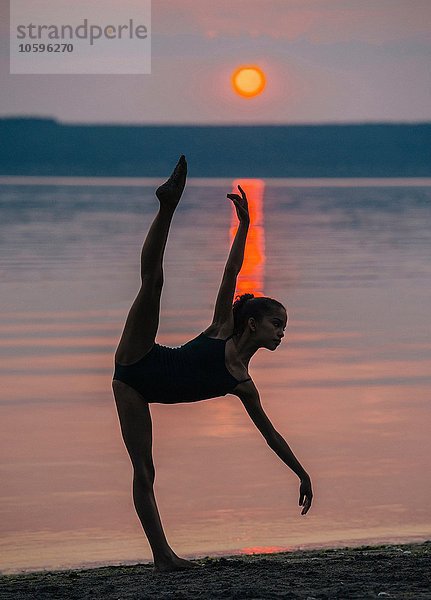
(247,305)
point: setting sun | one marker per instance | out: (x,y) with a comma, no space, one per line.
(248,81)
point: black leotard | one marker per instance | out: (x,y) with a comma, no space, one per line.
(194,371)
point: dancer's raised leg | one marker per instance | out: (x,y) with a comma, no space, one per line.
(143,319)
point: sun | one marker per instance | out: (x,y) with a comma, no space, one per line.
(248,81)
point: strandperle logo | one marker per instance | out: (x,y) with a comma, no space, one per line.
(85,31)
(80,37)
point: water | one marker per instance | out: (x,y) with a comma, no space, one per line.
(348,388)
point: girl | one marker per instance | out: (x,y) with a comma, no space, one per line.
(213,364)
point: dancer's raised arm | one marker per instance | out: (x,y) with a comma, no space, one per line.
(223,306)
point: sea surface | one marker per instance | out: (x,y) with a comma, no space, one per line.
(349,387)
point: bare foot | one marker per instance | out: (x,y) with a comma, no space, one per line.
(169,193)
(175,564)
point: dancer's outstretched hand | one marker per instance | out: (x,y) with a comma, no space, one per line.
(305,495)
(241,205)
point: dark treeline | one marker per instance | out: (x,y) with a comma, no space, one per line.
(33,146)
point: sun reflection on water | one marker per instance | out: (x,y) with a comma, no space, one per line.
(251,277)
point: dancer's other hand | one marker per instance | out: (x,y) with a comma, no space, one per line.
(241,205)
(305,494)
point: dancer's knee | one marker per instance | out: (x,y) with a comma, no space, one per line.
(144,476)
(152,279)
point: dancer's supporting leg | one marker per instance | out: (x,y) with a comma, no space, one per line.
(137,339)
(136,427)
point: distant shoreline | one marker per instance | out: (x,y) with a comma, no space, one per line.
(43,147)
(216,181)
(389,571)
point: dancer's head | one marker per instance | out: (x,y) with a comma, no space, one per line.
(265,319)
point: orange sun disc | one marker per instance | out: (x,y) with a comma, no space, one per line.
(248,81)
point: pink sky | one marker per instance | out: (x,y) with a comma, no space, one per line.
(325,61)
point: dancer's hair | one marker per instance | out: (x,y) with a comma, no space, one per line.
(248,305)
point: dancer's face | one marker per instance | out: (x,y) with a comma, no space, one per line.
(270,329)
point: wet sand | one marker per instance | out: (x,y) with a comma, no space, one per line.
(395,571)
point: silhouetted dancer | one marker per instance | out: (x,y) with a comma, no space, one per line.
(212,364)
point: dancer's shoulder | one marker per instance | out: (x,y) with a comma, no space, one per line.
(219,331)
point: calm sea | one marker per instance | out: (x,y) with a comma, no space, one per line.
(349,388)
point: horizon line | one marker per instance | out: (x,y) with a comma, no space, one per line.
(216,181)
(221,124)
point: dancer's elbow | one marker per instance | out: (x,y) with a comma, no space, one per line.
(249,396)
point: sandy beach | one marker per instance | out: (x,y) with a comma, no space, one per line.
(395,571)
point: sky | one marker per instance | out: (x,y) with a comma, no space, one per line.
(325,61)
